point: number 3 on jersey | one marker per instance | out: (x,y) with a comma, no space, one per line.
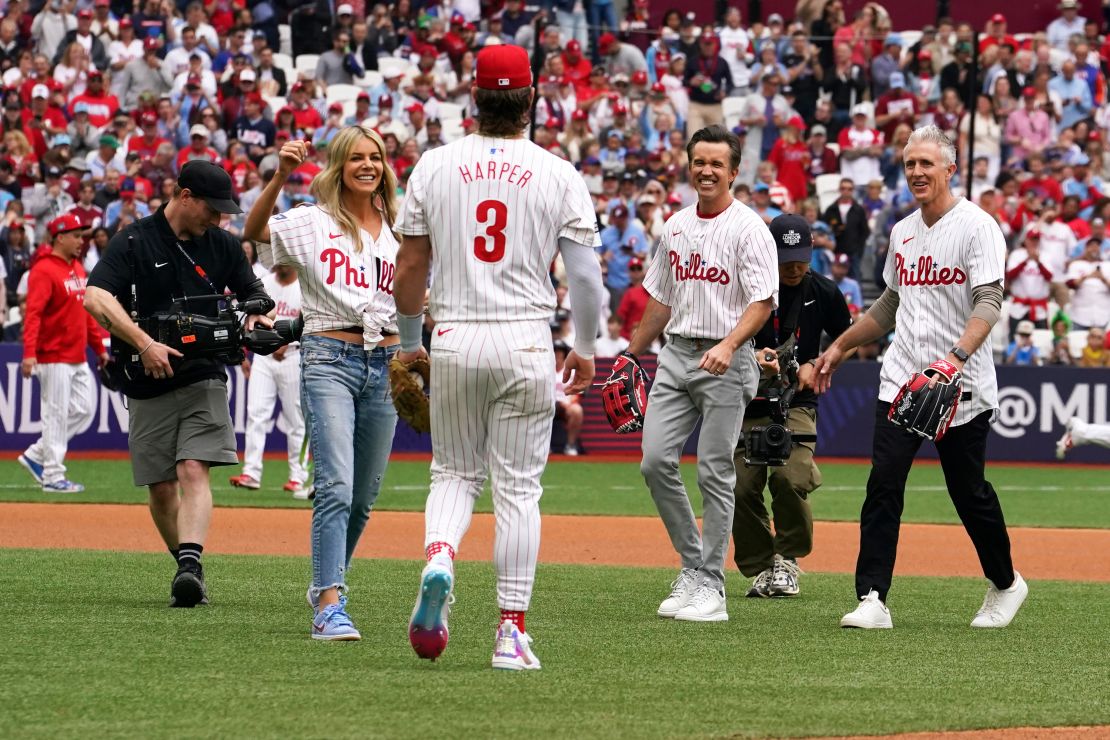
(493,215)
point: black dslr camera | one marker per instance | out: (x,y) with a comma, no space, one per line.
(221,337)
(771,444)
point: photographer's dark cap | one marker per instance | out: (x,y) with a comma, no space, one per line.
(793,238)
(210,182)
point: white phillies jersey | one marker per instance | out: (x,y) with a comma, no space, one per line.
(495,210)
(1030,284)
(709,270)
(340,288)
(1090,302)
(287,299)
(933,270)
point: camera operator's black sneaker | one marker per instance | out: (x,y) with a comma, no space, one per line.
(761,586)
(188,588)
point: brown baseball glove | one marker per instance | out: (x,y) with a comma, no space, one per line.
(408,382)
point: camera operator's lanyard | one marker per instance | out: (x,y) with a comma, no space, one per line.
(197,268)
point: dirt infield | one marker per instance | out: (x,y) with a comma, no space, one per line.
(924,549)
(1010,733)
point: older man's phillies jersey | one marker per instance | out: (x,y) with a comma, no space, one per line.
(933,270)
(497,208)
(709,270)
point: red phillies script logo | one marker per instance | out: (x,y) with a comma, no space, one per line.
(386,270)
(926,272)
(335,259)
(695,269)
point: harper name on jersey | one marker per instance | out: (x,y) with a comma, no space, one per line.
(934,269)
(493,170)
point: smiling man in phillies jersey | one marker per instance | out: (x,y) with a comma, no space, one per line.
(712,285)
(487,213)
(944,275)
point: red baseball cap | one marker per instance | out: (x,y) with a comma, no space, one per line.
(658,88)
(65,222)
(620,110)
(639,77)
(150,43)
(573,47)
(415,107)
(1029,92)
(797,122)
(1033,233)
(579,115)
(503,67)
(86,13)
(606,41)
(125,22)
(998,18)
(148,117)
(385,101)
(337,106)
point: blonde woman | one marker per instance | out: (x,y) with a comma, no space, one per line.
(344,251)
(72,72)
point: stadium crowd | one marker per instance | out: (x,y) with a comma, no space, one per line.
(105,100)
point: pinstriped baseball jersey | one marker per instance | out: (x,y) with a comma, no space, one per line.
(339,287)
(933,270)
(709,270)
(495,209)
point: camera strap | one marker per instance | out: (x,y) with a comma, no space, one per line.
(196,268)
(790,322)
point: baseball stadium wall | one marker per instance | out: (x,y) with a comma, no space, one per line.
(1034,405)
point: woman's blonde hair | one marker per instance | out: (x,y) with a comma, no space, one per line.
(67,56)
(327,188)
(22,143)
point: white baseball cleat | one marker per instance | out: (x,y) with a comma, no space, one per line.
(871,614)
(512,650)
(1066,442)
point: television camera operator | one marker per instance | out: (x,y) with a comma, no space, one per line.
(163,289)
(780,424)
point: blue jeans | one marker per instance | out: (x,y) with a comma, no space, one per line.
(350,418)
(601,13)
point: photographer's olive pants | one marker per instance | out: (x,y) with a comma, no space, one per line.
(751,529)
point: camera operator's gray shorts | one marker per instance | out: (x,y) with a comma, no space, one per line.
(190,423)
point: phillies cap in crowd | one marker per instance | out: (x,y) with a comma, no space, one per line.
(998,18)
(151,44)
(897,80)
(210,182)
(842,260)
(573,47)
(40,91)
(605,42)
(619,212)
(793,238)
(247,75)
(1025,328)
(199,129)
(64,223)
(1029,92)
(503,67)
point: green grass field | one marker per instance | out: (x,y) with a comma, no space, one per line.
(1055,496)
(89,648)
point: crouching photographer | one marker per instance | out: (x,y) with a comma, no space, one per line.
(780,424)
(161,289)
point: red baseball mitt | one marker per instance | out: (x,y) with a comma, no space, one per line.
(924,410)
(625,394)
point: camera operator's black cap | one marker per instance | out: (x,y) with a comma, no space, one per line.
(793,238)
(210,182)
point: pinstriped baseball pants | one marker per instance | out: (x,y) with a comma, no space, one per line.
(68,403)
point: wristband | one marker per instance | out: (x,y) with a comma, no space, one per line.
(148,346)
(410,329)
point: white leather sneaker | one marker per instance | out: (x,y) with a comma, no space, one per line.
(682,588)
(871,614)
(999,607)
(706,605)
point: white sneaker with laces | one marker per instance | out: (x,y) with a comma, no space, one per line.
(871,614)
(682,588)
(784,577)
(706,605)
(1000,606)
(512,650)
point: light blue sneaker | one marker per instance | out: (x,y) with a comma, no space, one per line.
(32,467)
(63,486)
(333,623)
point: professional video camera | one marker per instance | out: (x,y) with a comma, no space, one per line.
(771,444)
(221,337)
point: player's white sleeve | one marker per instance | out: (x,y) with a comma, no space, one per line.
(292,238)
(577,219)
(986,257)
(411,221)
(890,270)
(586,292)
(659,281)
(759,266)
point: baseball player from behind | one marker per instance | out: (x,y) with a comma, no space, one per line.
(56,331)
(712,285)
(944,274)
(273,377)
(487,214)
